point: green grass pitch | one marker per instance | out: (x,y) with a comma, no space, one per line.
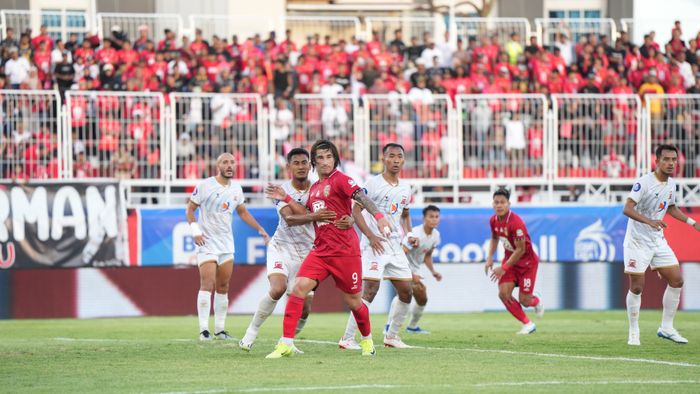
(571,352)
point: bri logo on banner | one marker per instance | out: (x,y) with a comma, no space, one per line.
(594,244)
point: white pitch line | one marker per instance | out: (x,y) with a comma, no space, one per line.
(454,349)
(536,354)
(428,386)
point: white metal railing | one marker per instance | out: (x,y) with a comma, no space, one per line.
(116,134)
(31,142)
(504,136)
(420,124)
(420,27)
(597,136)
(204,125)
(675,119)
(336,27)
(133,23)
(502,28)
(599,143)
(226,26)
(548,29)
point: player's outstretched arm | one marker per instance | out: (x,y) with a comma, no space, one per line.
(631,213)
(245,215)
(196,231)
(428,261)
(677,214)
(294,219)
(276,192)
(362,198)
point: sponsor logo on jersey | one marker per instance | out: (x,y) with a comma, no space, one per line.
(374,266)
(637,187)
(632,263)
(317,205)
(519,232)
(662,206)
(225,205)
(351,182)
(594,244)
(394,208)
(327,190)
(278,265)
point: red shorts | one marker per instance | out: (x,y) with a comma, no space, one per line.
(523,276)
(345,270)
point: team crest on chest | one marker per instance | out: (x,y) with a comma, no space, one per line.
(327,190)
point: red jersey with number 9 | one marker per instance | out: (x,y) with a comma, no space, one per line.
(334,194)
(509,230)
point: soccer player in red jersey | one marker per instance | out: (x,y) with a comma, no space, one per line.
(519,267)
(336,252)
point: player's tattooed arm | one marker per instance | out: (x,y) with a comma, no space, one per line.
(632,213)
(196,231)
(382,223)
(375,241)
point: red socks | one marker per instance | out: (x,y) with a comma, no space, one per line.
(515,309)
(292,313)
(362,319)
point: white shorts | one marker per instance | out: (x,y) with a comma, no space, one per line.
(285,261)
(637,260)
(219,258)
(392,265)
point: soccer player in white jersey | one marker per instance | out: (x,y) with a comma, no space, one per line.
(428,239)
(651,197)
(216,197)
(289,245)
(382,255)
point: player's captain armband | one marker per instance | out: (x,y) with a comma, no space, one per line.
(288,199)
(196,231)
(691,221)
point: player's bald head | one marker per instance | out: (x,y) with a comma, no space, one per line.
(223,157)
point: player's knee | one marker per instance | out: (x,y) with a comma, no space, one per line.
(277,291)
(636,289)
(206,285)
(525,299)
(222,288)
(505,297)
(677,283)
(421,301)
(405,295)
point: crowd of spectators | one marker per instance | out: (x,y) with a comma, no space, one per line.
(413,68)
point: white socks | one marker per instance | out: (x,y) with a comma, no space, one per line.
(265,308)
(672,297)
(634,301)
(351,327)
(220,311)
(396,319)
(203,308)
(416,314)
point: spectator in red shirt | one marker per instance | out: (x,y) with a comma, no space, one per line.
(43,37)
(107,54)
(169,43)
